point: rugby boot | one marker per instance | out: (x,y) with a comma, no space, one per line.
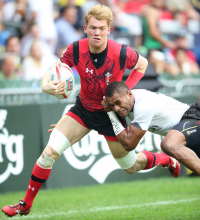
(19,208)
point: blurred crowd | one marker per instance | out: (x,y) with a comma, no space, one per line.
(34,33)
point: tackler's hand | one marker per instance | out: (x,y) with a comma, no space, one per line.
(105,105)
(52,127)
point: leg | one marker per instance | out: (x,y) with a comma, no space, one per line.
(68,132)
(174,144)
(132,162)
(69,128)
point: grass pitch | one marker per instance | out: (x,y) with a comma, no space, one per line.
(153,199)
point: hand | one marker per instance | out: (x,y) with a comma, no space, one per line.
(105,105)
(52,127)
(54,88)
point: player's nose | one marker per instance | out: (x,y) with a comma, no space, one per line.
(97,31)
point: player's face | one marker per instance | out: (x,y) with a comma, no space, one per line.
(121,103)
(97,31)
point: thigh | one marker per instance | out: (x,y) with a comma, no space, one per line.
(116,149)
(72,129)
(175,137)
(190,131)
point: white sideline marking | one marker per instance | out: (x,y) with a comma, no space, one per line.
(107,208)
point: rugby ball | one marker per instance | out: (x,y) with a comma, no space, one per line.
(62,72)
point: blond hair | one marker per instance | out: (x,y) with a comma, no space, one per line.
(100,12)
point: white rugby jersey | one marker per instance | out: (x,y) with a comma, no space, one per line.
(155,112)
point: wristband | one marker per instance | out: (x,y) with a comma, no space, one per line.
(117,125)
(133,78)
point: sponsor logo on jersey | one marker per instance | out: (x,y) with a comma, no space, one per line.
(192,131)
(108,75)
(154,128)
(89,71)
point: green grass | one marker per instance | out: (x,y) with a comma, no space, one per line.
(162,199)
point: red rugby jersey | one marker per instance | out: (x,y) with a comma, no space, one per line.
(94,81)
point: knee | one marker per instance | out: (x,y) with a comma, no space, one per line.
(50,152)
(169,147)
(139,164)
(166,146)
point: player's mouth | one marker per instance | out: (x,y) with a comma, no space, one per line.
(96,39)
(122,112)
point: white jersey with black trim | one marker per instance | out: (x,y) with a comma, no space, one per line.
(155,112)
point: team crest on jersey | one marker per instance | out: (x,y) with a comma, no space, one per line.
(108,75)
(89,71)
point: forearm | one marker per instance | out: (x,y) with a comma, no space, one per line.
(137,73)
(120,131)
(45,81)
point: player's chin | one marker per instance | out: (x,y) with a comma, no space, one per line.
(123,114)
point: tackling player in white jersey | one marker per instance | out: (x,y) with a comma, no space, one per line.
(157,113)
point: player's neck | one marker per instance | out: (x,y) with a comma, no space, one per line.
(97,49)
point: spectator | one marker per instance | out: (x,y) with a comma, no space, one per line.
(182,64)
(41,12)
(35,65)
(181,42)
(8,70)
(13,44)
(80,19)
(184,6)
(66,31)
(131,23)
(153,39)
(13,47)
(30,37)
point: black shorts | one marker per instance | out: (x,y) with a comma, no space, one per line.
(190,127)
(98,121)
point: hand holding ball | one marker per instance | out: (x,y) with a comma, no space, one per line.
(62,72)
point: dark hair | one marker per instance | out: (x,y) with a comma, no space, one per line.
(180,49)
(66,8)
(116,87)
(12,36)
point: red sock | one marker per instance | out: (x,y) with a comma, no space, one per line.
(39,176)
(154,159)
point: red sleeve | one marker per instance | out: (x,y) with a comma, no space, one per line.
(68,56)
(131,58)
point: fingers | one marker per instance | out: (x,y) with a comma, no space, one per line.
(53,125)
(50,130)
(60,88)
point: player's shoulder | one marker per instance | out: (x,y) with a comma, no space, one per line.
(144,100)
(143,94)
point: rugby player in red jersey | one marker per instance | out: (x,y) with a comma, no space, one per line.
(99,61)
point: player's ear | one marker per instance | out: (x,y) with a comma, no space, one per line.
(84,28)
(109,29)
(129,93)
